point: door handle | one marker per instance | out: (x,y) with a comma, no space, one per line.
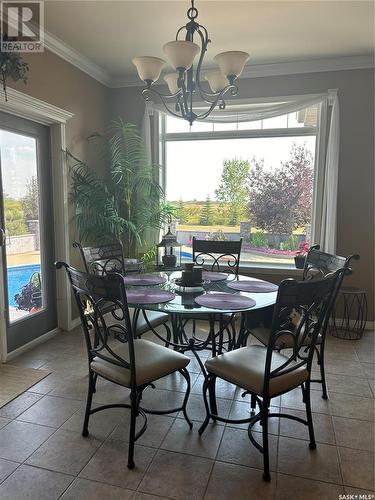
(2,237)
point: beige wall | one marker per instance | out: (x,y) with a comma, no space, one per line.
(356,169)
(57,82)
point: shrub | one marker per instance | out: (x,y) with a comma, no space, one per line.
(217,236)
(30,295)
(290,244)
(259,240)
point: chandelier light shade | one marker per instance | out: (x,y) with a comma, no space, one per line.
(232,63)
(185,85)
(216,80)
(149,68)
(181,53)
(172,81)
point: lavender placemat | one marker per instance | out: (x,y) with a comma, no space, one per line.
(225,301)
(144,279)
(253,286)
(211,276)
(149,296)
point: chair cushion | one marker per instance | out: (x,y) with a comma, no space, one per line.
(283,342)
(245,367)
(155,319)
(153,361)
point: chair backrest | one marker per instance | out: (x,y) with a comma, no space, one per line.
(319,264)
(301,311)
(217,255)
(94,295)
(103,259)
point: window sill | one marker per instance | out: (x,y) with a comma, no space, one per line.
(274,269)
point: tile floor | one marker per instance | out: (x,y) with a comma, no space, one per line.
(44,457)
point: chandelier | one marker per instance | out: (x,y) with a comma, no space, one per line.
(186,82)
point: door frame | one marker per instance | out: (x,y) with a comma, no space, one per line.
(31,108)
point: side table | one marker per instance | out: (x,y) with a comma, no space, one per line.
(351,305)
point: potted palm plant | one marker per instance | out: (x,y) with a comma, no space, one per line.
(124,203)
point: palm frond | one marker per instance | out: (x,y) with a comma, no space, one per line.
(126,200)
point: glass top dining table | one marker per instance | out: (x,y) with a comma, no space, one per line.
(184,299)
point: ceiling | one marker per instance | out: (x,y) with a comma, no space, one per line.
(110,33)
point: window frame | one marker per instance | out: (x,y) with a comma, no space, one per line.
(320,133)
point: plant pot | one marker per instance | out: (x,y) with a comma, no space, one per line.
(169,261)
(299,261)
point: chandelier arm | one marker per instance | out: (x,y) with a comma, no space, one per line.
(219,95)
(233,89)
(179,31)
(146,90)
(147,93)
(205,41)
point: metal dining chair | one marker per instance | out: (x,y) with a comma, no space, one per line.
(318,264)
(134,364)
(218,256)
(265,373)
(109,258)
(102,259)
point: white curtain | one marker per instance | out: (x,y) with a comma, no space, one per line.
(327,236)
(253,109)
(260,109)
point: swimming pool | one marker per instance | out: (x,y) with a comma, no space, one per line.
(18,276)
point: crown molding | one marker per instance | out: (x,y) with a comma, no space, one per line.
(280,68)
(27,106)
(72,56)
(309,66)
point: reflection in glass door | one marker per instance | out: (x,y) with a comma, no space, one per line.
(26,208)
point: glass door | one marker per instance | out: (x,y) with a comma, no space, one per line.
(26,221)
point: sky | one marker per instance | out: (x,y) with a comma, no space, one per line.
(193,168)
(18,162)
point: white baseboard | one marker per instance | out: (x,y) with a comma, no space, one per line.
(33,343)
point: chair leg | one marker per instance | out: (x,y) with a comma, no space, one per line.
(253,403)
(133,417)
(169,334)
(202,428)
(212,396)
(91,389)
(234,335)
(310,424)
(186,376)
(322,372)
(94,382)
(266,452)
